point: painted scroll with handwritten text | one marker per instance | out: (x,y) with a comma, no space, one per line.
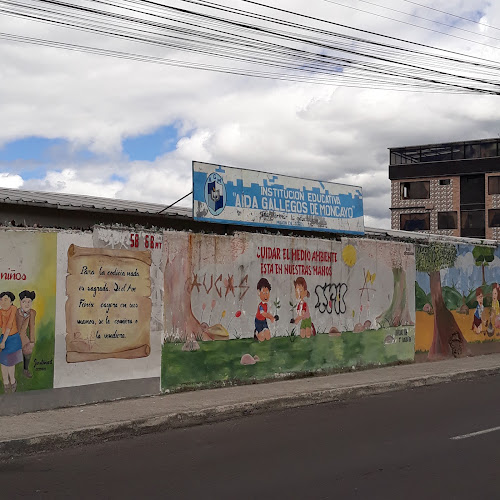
(108,309)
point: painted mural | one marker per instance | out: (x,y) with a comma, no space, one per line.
(250,307)
(110,308)
(27,310)
(457,300)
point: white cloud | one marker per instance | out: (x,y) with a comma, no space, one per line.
(81,181)
(10,181)
(316,131)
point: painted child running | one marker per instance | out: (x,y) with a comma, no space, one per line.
(262,331)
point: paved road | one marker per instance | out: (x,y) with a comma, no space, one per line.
(395,445)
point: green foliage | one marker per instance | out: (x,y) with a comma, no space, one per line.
(452,298)
(421,298)
(218,362)
(435,256)
(483,255)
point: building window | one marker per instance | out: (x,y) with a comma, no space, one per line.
(457,151)
(472,151)
(444,182)
(418,190)
(494,218)
(488,149)
(447,220)
(472,223)
(494,184)
(415,222)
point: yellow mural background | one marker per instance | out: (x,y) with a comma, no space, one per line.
(424,329)
(33,254)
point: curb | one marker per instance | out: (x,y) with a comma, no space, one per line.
(123,429)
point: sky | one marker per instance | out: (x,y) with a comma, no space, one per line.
(82,123)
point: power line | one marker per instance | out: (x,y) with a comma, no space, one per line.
(332,57)
(450,14)
(181,64)
(416,25)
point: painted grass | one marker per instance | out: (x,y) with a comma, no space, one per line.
(43,377)
(219,362)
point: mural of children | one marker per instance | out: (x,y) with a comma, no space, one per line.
(478,321)
(10,342)
(262,331)
(303,314)
(495,306)
(25,320)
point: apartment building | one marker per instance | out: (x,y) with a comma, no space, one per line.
(450,188)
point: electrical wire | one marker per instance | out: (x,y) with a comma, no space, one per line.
(452,15)
(416,25)
(298,53)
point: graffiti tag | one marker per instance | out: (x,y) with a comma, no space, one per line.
(330,298)
(220,284)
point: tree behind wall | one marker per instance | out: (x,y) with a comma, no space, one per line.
(448,339)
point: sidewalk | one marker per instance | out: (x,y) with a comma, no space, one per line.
(53,429)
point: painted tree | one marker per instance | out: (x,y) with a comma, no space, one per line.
(448,339)
(183,255)
(398,312)
(179,317)
(483,256)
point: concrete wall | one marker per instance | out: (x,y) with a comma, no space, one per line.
(121,312)
(95,323)
(357,292)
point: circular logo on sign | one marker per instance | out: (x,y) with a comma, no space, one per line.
(215,193)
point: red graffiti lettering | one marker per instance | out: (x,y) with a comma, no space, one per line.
(211,284)
(229,285)
(218,290)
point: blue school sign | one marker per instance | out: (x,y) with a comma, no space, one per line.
(235,196)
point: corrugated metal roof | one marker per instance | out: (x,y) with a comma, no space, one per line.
(82,202)
(427,237)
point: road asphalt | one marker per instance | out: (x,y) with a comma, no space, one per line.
(55,429)
(400,444)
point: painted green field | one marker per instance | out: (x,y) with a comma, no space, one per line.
(219,362)
(43,374)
